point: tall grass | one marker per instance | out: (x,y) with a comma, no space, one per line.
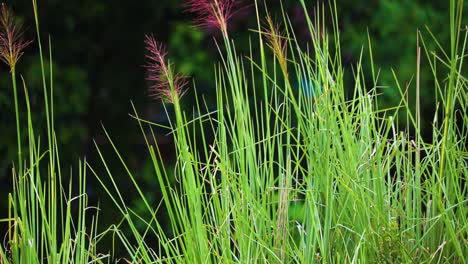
(41,225)
(297,171)
(300,168)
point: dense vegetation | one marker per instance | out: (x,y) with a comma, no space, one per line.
(301,145)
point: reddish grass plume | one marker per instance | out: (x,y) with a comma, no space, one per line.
(12,43)
(165,84)
(212,13)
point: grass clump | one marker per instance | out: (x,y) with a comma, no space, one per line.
(298,170)
(290,167)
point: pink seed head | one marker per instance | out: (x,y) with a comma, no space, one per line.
(165,84)
(212,13)
(11,41)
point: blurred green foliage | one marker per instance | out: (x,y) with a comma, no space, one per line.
(393,26)
(98,57)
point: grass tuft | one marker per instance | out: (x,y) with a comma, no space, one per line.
(290,167)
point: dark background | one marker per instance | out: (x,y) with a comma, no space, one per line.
(98,55)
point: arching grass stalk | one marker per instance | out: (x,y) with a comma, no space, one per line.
(11,50)
(168,85)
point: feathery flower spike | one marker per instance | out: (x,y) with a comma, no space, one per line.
(212,12)
(166,85)
(277,43)
(11,38)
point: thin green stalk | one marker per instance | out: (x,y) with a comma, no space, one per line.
(18,130)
